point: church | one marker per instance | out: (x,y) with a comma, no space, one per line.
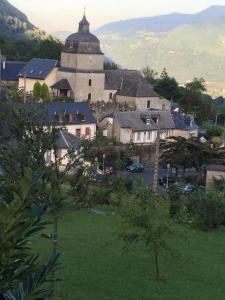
(80,75)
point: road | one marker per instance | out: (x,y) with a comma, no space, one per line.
(148,174)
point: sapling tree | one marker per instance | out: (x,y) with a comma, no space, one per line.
(146,221)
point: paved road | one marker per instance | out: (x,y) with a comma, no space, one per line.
(147,175)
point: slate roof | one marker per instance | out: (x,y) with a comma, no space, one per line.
(63,84)
(183,122)
(38,68)
(115,78)
(80,111)
(136,120)
(83,41)
(137,88)
(67,140)
(11,70)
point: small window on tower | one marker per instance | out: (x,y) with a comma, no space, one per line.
(149,104)
(89,96)
(90,82)
(110,95)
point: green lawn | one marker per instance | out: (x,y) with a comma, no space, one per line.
(96,268)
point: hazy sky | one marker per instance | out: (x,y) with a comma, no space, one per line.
(60,15)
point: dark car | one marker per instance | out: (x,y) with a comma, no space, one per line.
(135,167)
(163,181)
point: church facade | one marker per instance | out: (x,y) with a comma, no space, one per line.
(80,75)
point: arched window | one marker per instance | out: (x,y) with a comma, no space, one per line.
(89,96)
(164,107)
(148,104)
(110,95)
(90,82)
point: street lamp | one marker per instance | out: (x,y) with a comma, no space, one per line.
(167,176)
(103,162)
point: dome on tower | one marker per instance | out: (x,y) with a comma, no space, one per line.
(83,42)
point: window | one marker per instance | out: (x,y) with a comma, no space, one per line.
(110,95)
(82,117)
(89,96)
(148,121)
(78,133)
(87,131)
(138,136)
(148,104)
(149,135)
(90,82)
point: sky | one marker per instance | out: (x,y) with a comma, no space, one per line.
(63,15)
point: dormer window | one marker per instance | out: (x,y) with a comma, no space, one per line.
(148,121)
(31,71)
(82,117)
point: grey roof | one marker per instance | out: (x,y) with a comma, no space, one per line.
(216,168)
(136,120)
(115,78)
(67,140)
(38,68)
(183,122)
(137,88)
(80,113)
(83,41)
(63,84)
(11,70)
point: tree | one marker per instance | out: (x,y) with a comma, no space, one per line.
(44,91)
(207,209)
(37,89)
(22,276)
(150,75)
(189,153)
(167,87)
(192,100)
(146,221)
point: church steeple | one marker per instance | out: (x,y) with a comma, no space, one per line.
(84,24)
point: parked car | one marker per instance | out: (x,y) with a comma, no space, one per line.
(188,188)
(108,171)
(135,167)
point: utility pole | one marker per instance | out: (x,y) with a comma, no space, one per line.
(157,152)
(1,91)
(25,87)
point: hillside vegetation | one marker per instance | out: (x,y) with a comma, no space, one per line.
(187,45)
(21,40)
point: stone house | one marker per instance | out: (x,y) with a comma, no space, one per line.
(37,70)
(184,126)
(138,127)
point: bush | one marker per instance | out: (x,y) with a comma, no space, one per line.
(176,201)
(207,210)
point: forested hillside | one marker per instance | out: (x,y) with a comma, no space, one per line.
(20,40)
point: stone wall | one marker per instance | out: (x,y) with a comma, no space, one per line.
(82,61)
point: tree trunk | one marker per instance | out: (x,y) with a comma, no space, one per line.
(156,259)
(54,251)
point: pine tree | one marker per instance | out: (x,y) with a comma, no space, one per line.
(44,91)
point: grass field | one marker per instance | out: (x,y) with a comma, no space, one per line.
(94,267)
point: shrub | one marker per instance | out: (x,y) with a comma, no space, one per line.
(176,201)
(207,210)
